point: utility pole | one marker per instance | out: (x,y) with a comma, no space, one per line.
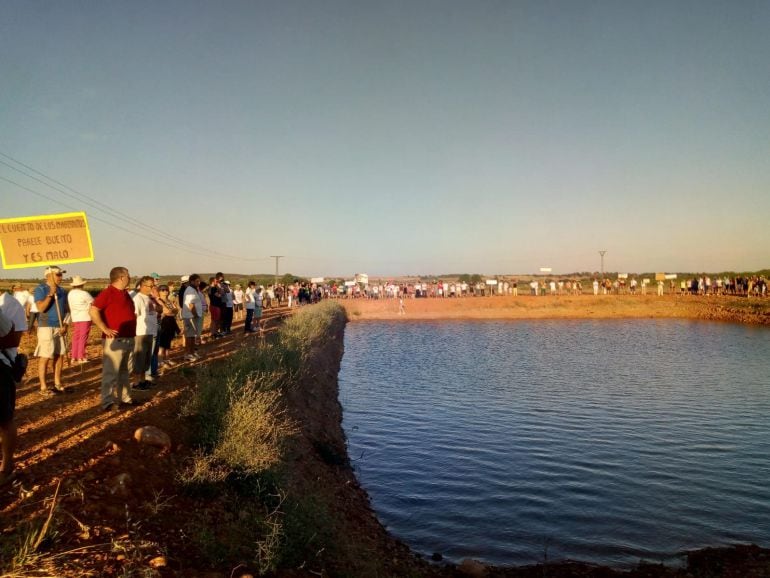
(276,257)
(600,253)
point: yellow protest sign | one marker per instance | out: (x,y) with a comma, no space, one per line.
(45,240)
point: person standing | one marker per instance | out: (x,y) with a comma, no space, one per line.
(249,299)
(227,308)
(258,310)
(168,326)
(22,296)
(51,301)
(152,373)
(238,302)
(146,330)
(113,313)
(13,324)
(216,304)
(192,310)
(79,302)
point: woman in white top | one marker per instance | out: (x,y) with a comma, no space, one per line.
(79,302)
(238,302)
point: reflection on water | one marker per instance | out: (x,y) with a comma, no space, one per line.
(604,441)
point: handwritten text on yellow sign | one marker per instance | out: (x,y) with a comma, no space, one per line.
(45,240)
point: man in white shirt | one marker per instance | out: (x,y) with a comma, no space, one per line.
(146,329)
(249,298)
(192,310)
(13,323)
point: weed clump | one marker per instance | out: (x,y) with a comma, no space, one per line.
(242,433)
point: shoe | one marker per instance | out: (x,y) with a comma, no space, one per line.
(154,376)
(111,408)
(59,389)
(150,382)
(142,386)
(50,392)
(190,358)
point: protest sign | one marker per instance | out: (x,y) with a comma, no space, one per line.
(45,240)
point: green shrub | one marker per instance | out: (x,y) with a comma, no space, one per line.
(241,431)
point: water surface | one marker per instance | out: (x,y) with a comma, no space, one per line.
(518,441)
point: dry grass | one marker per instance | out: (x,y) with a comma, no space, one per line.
(254,431)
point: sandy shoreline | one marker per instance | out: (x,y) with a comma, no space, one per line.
(731,309)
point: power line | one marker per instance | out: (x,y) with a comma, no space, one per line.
(95,218)
(113,213)
(92,202)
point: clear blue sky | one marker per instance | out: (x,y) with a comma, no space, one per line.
(395,137)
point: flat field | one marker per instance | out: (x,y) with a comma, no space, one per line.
(720,308)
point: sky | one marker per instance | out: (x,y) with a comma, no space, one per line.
(392,138)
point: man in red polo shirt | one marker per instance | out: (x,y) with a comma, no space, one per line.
(113,312)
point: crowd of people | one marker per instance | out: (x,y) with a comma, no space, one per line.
(755,286)
(138,322)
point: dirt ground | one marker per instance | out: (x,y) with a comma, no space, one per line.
(118,497)
(734,309)
(120,513)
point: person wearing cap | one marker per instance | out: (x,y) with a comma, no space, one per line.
(51,301)
(79,302)
(113,313)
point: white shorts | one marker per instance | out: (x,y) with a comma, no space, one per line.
(50,342)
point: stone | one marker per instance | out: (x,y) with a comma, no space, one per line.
(153,436)
(159,562)
(119,484)
(472,568)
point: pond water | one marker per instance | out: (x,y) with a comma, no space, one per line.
(602,441)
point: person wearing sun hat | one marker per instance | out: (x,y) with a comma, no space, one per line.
(51,301)
(79,302)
